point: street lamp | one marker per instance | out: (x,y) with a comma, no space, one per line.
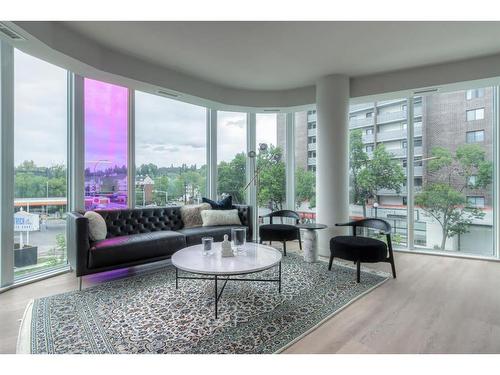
(375,206)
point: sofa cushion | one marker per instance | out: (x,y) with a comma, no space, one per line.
(211,218)
(191,214)
(224,204)
(194,235)
(97,226)
(134,247)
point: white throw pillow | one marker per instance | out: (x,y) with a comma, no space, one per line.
(220,217)
(97,226)
(190,214)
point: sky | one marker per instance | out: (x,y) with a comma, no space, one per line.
(167,131)
(39,111)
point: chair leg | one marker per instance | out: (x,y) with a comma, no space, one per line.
(393,266)
(330,263)
(358,271)
(270,243)
(260,241)
(300,242)
(284,247)
(80,283)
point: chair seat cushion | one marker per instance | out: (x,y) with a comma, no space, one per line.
(278,232)
(134,247)
(364,249)
(194,235)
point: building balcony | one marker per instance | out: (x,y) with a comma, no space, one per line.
(311,117)
(311,146)
(391,135)
(417,171)
(401,152)
(360,107)
(360,122)
(311,161)
(403,192)
(391,117)
(311,132)
(397,152)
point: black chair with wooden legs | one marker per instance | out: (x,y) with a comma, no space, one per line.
(280,232)
(363,249)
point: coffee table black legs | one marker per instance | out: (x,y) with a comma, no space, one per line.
(217,278)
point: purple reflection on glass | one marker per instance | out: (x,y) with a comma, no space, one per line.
(106,144)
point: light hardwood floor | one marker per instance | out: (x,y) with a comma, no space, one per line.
(436,305)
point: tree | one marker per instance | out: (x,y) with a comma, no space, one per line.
(368,176)
(358,160)
(160,187)
(443,197)
(272,181)
(231,177)
(305,187)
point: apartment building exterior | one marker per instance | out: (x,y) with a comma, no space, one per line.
(446,120)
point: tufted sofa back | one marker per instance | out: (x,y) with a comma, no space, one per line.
(145,220)
(141,220)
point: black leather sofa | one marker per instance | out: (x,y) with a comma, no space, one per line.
(137,236)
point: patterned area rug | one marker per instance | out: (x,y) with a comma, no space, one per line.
(146,314)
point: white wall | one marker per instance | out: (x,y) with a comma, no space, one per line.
(55,43)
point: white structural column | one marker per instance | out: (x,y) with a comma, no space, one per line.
(332,156)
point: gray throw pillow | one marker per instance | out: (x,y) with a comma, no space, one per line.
(191,216)
(97,226)
(220,217)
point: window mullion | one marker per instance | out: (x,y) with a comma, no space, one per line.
(410,165)
(6,164)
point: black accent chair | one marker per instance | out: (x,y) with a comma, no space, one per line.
(363,249)
(280,232)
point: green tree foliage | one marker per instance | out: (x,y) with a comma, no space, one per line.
(272,181)
(149,169)
(443,197)
(231,177)
(305,187)
(368,176)
(32,181)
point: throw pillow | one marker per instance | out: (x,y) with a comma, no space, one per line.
(97,226)
(223,204)
(220,217)
(190,214)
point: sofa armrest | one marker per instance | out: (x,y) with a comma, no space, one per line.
(78,241)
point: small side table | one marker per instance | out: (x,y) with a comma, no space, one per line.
(310,241)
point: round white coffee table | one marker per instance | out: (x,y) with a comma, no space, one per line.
(254,258)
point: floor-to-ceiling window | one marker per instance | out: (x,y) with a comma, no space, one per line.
(453,171)
(106,145)
(378,143)
(40,157)
(305,165)
(170,151)
(231,155)
(270,166)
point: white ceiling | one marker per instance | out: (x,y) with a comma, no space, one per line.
(287,55)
